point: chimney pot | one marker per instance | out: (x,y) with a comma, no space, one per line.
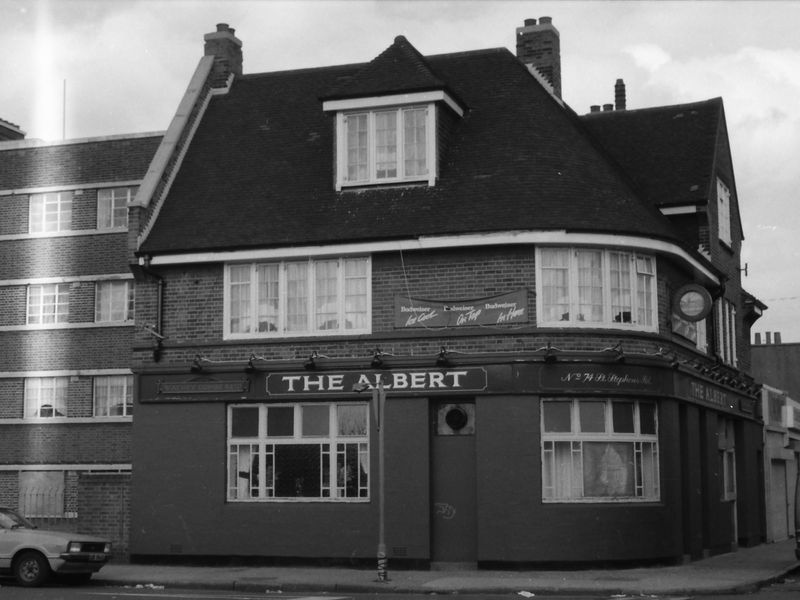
(222,27)
(545,20)
(608,107)
(530,22)
(758,339)
(595,108)
(769,337)
(777,337)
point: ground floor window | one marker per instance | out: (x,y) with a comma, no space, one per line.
(599,450)
(298,451)
(41,493)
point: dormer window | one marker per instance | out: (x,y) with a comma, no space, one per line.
(389,139)
(384,146)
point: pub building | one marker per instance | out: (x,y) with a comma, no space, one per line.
(420,299)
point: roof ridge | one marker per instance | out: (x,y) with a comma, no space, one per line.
(399,67)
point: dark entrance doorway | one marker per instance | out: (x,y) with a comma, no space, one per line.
(453,482)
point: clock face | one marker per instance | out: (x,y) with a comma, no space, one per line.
(692,303)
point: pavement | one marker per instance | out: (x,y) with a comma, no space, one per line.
(742,571)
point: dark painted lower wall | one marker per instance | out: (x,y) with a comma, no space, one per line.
(179,488)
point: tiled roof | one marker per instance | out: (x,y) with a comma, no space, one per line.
(119,158)
(260,169)
(668,151)
(399,68)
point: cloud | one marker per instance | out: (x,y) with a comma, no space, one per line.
(648,56)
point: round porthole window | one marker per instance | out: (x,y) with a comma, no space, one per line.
(456,418)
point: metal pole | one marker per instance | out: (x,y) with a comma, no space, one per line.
(797,508)
(379,398)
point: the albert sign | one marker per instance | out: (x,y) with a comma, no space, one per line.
(411,381)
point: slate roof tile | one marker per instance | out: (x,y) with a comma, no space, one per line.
(668,151)
(260,169)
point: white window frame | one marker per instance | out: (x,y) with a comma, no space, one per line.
(645,447)
(637,293)
(725,331)
(57,205)
(47,304)
(107,302)
(693,331)
(112,207)
(253,475)
(282,329)
(105,402)
(428,176)
(724,213)
(46,396)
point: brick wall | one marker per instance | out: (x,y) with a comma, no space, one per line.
(64,256)
(54,443)
(104,501)
(54,349)
(193,311)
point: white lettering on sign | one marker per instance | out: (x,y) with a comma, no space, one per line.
(510,314)
(412,381)
(608,378)
(468,317)
(698,391)
(425,315)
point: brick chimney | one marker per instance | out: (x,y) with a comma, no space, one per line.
(540,46)
(227,49)
(619,94)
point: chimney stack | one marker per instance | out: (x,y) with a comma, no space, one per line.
(539,46)
(619,94)
(227,50)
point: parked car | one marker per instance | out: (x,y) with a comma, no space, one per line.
(32,555)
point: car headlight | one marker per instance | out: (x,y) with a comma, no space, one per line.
(74,547)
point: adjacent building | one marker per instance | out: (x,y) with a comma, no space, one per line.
(549,304)
(66,327)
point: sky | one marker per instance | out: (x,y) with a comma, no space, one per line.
(87,68)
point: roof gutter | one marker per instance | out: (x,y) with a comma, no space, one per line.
(558,237)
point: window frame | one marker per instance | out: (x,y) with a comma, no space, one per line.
(109,210)
(106,384)
(109,300)
(342,163)
(59,292)
(633,291)
(725,331)
(724,213)
(263,446)
(37,395)
(577,438)
(282,329)
(49,490)
(60,204)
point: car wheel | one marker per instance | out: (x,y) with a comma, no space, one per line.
(31,569)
